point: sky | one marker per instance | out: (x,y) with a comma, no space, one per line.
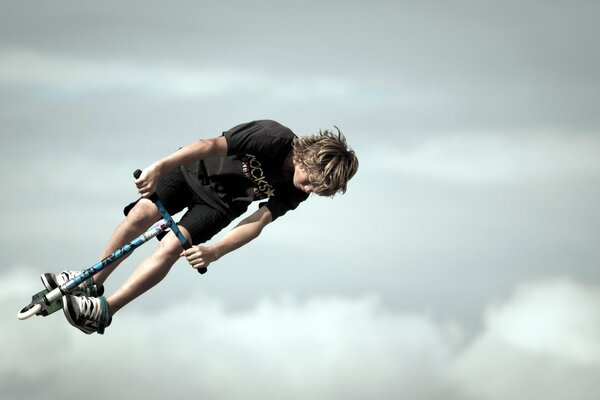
(461,264)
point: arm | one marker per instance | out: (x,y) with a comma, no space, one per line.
(204,148)
(247,230)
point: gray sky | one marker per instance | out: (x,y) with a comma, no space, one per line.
(465,248)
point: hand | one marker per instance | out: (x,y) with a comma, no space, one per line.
(200,256)
(146,183)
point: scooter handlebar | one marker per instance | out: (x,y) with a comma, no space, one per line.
(136,174)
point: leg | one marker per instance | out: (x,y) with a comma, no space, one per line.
(140,218)
(151,271)
(94,314)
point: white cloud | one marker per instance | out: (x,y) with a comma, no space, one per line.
(558,318)
(75,76)
(480,158)
(541,343)
(324,348)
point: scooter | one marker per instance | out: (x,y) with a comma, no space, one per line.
(48,301)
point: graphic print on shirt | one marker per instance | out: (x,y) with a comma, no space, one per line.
(254,171)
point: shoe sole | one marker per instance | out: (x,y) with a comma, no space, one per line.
(69,310)
(48,281)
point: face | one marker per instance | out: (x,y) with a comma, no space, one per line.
(302,180)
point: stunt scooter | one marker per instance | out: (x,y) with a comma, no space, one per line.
(49,301)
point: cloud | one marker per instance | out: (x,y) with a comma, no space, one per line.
(74,76)
(497,158)
(558,318)
(541,343)
(322,348)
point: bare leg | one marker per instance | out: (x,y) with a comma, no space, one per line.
(151,271)
(140,218)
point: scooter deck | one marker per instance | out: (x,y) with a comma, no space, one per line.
(47,309)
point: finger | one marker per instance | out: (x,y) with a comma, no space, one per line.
(191,252)
(198,265)
(194,259)
(184,253)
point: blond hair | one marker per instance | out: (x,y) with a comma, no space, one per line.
(327,159)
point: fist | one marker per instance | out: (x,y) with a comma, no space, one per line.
(146,183)
(200,256)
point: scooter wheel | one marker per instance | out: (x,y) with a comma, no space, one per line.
(29,311)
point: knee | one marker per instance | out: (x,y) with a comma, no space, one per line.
(170,247)
(142,215)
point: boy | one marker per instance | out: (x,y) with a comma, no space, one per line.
(215,179)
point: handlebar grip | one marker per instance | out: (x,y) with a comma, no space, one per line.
(136,174)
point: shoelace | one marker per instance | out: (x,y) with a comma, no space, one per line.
(67,275)
(89,307)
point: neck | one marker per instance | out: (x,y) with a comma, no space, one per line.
(288,163)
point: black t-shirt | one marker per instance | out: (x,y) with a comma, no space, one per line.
(252,171)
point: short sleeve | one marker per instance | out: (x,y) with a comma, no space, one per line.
(261,138)
(286,199)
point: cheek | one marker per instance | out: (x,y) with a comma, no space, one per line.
(303,179)
(299,175)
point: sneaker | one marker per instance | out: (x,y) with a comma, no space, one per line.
(88,314)
(88,288)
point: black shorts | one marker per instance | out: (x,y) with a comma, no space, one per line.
(200,220)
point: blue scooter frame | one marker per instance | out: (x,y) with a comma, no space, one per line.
(48,301)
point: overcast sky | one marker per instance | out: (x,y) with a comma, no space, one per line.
(462,263)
